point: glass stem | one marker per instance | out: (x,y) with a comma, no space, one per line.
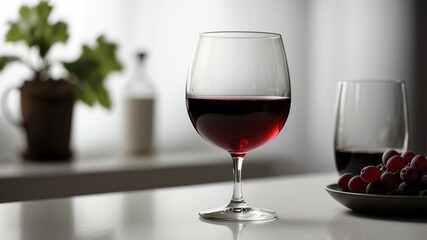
(237,175)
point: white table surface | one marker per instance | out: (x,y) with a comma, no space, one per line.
(304,209)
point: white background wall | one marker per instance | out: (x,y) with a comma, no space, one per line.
(326,41)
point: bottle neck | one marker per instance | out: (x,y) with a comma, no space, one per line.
(140,70)
(139,85)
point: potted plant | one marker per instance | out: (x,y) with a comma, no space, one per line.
(47,101)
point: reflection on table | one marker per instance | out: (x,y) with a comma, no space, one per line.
(351,226)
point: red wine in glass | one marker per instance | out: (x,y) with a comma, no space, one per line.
(238,124)
(353,160)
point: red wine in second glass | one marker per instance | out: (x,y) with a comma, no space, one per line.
(353,160)
(238,124)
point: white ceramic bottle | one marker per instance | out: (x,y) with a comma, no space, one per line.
(139,111)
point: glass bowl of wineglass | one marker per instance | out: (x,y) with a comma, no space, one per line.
(238,97)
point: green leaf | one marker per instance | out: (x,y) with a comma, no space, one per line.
(5,60)
(59,33)
(35,30)
(85,94)
(103,97)
(106,55)
(92,68)
(83,69)
(15,33)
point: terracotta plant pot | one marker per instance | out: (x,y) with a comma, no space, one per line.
(47,108)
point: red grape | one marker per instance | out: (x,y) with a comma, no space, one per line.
(370,174)
(395,163)
(375,188)
(422,182)
(388,154)
(422,193)
(357,185)
(419,162)
(389,180)
(343,181)
(399,174)
(409,175)
(407,189)
(408,156)
(393,192)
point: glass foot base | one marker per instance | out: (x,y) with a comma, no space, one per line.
(237,212)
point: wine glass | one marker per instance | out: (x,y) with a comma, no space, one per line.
(371,117)
(238,98)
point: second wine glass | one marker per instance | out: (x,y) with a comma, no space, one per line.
(238,98)
(371,117)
